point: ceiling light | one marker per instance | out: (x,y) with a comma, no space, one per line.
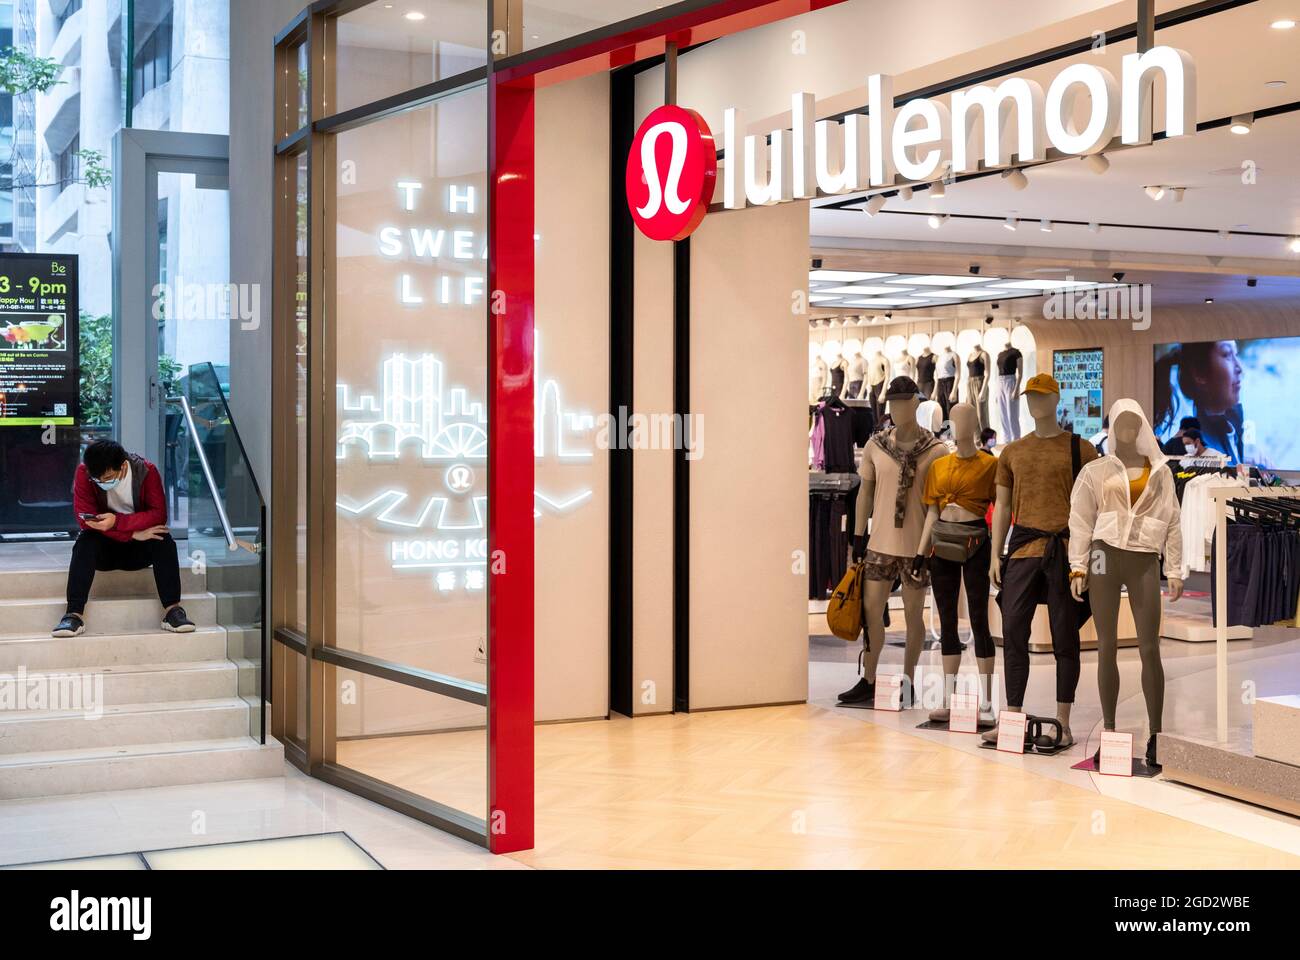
(1016,179)
(819,298)
(875,204)
(1282,24)
(845,276)
(1155,193)
(1095,227)
(1045,225)
(1046,284)
(1097,162)
(1209,299)
(415,15)
(1178,194)
(1295,244)
(1252,281)
(1242,123)
(1275,84)
(905,193)
(1010,223)
(941,280)
(886,301)
(1118,276)
(937,190)
(866,290)
(935,221)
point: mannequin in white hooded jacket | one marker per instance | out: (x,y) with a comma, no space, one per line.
(1123,516)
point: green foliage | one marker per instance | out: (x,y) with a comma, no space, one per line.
(96,370)
(94,171)
(22,72)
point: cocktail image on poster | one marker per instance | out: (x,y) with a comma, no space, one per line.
(40,374)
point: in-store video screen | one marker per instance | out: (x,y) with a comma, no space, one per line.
(1242,392)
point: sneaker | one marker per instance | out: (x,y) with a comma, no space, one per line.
(940,716)
(990,735)
(862,692)
(70,626)
(177,622)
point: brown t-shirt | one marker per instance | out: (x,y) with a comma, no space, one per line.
(1040,474)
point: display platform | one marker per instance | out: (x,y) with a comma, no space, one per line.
(1232,770)
(1197,629)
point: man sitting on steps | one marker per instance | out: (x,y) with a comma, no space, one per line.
(120,507)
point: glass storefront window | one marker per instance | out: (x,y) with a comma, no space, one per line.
(549,21)
(410,337)
(387,48)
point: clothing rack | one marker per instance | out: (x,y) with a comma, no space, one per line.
(1221,496)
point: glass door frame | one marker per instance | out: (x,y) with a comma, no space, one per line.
(512,77)
(139,156)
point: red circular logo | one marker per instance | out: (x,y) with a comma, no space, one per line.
(671,173)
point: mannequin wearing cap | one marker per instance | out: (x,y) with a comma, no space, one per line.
(874,386)
(977,382)
(894,467)
(1124,515)
(958,491)
(1035,478)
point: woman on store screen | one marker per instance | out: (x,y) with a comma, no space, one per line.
(1203,380)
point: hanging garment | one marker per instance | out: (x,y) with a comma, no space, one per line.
(1009,407)
(1101,507)
(837,442)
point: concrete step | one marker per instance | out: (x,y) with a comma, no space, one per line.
(98,649)
(1276,729)
(53,583)
(31,731)
(35,618)
(163,764)
(133,683)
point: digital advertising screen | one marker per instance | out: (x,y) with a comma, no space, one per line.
(39,393)
(1079,372)
(1242,392)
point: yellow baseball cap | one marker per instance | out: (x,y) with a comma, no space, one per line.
(1042,383)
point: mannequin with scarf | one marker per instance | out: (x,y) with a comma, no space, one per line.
(958,491)
(894,468)
(1124,515)
(1034,480)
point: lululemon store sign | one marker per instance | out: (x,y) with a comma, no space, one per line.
(672,167)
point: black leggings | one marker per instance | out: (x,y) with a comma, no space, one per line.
(947,576)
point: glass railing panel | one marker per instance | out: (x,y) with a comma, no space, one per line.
(227,530)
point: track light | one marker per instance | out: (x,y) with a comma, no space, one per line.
(1155,193)
(1225,234)
(875,204)
(937,190)
(1295,244)
(1242,124)
(1097,162)
(1209,300)
(1252,281)
(905,193)
(1016,178)
(1045,225)
(936,221)
(975,269)
(1010,224)
(1095,227)
(1178,194)
(1285,24)
(1118,276)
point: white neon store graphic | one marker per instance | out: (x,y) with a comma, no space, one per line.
(659,194)
(429,243)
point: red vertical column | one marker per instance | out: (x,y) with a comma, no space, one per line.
(510,466)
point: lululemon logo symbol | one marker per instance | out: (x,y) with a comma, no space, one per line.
(671,172)
(460,478)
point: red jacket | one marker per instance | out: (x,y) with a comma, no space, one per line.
(146,491)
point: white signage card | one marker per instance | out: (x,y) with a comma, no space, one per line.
(1117,754)
(889,692)
(1011,731)
(963,713)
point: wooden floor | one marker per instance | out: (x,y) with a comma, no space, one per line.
(801,786)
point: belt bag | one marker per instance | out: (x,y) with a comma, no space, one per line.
(957,542)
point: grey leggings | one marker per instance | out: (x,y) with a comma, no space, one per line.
(1111,569)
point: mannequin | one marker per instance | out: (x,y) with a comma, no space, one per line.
(905,366)
(857,375)
(958,491)
(1011,369)
(894,468)
(1035,478)
(945,387)
(819,378)
(977,382)
(839,373)
(925,365)
(1129,485)
(877,375)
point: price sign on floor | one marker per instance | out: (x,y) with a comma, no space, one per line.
(963,713)
(1117,754)
(889,693)
(1011,731)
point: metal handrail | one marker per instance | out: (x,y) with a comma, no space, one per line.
(231,541)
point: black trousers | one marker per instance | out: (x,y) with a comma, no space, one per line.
(945,394)
(946,578)
(93,551)
(1024,586)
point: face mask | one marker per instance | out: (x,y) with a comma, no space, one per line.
(107,485)
(1189,448)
